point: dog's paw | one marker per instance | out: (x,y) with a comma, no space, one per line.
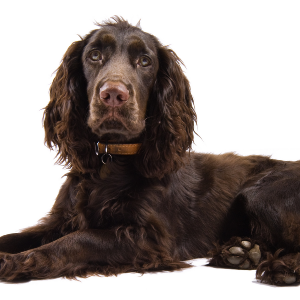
(17,266)
(280,270)
(244,256)
(238,253)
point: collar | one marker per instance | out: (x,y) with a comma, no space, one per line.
(117,149)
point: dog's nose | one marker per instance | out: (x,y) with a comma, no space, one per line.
(114,93)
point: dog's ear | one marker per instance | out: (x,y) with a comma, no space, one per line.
(65,116)
(170,119)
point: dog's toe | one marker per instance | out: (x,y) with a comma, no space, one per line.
(255,254)
(290,279)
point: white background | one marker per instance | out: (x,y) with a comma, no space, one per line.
(242,60)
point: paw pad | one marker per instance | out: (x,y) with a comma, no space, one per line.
(289,279)
(255,255)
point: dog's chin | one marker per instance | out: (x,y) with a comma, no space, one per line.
(116,131)
(111,124)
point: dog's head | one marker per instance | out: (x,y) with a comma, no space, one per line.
(119,84)
(120,65)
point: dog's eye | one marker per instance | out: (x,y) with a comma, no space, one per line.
(95,55)
(144,61)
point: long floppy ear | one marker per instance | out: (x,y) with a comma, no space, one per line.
(170,119)
(65,115)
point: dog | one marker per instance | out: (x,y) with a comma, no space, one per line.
(137,198)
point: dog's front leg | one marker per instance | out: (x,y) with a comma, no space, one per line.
(83,253)
(74,254)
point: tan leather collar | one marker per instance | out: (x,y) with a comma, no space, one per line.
(118,149)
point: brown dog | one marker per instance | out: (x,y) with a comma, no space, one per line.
(140,200)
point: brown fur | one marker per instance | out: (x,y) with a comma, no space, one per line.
(164,205)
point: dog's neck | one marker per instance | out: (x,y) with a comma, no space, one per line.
(107,149)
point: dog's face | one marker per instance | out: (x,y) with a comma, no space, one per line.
(120,67)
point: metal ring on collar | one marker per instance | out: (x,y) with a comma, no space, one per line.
(105,158)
